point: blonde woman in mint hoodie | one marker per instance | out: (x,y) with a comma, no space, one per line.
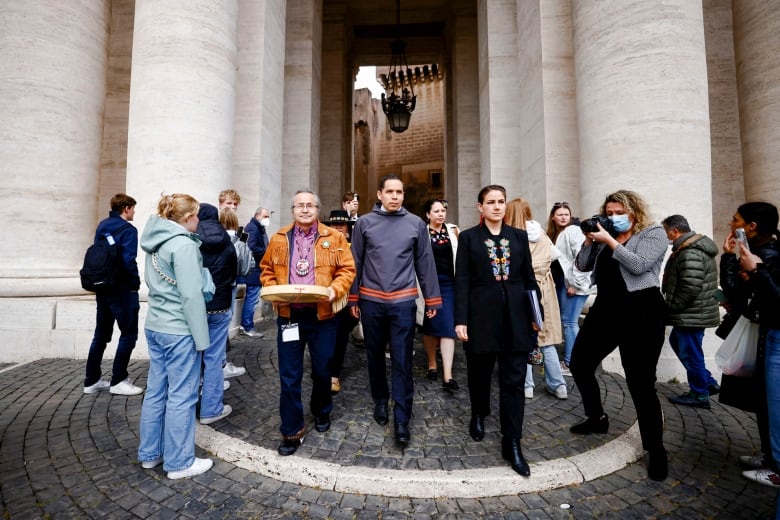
(177,333)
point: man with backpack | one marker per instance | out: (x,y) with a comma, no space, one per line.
(116,291)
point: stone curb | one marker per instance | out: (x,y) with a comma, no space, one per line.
(471,483)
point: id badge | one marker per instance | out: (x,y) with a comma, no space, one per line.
(290,332)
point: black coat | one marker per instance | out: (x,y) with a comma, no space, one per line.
(478,295)
(219,257)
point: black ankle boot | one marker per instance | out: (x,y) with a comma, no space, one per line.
(510,450)
(591,425)
(477,427)
(657,464)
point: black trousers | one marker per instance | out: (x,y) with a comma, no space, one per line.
(511,383)
(638,331)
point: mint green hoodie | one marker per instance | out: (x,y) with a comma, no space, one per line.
(175,309)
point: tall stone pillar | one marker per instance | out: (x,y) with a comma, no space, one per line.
(182,100)
(302,74)
(336,86)
(499,86)
(259,122)
(642,105)
(756,43)
(52,87)
(463,175)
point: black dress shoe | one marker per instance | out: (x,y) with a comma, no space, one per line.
(477,427)
(380,414)
(510,450)
(402,435)
(591,425)
(289,446)
(323,423)
(432,374)
(450,385)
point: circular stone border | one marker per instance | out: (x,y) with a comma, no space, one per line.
(467,483)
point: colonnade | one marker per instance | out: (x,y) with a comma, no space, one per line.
(557,100)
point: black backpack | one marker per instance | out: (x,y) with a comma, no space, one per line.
(102,270)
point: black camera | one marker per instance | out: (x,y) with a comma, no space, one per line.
(589,225)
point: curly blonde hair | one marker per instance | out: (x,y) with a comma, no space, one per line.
(634,204)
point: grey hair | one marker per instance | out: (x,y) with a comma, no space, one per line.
(316,197)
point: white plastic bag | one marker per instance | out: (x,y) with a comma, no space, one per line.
(737,355)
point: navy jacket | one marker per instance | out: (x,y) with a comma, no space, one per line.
(257,243)
(219,256)
(126,236)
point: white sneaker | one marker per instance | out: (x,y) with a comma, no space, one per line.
(763,476)
(226,410)
(529,393)
(231,370)
(753,461)
(225,385)
(559,392)
(251,333)
(101,385)
(565,369)
(198,467)
(126,388)
(149,464)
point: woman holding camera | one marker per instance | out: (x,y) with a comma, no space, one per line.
(624,251)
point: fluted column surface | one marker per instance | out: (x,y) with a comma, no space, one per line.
(182,100)
(757,52)
(642,105)
(52,89)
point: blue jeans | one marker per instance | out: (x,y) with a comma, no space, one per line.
(167,427)
(552,369)
(250,302)
(320,336)
(121,307)
(686,343)
(772,371)
(571,308)
(391,323)
(211,401)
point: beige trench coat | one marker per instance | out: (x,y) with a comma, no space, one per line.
(542,256)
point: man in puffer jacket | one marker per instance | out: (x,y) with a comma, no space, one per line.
(689,284)
(219,257)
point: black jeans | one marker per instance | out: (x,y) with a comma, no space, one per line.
(638,331)
(121,307)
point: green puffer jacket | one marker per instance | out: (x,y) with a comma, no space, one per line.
(690,280)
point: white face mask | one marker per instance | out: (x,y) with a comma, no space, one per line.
(265,222)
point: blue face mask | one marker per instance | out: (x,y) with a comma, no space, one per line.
(620,223)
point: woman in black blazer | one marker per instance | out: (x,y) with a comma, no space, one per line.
(493,275)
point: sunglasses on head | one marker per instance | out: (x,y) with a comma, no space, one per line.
(563,204)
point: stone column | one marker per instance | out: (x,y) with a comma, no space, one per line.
(463,177)
(336,132)
(728,182)
(259,121)
(642,105)
(499,87)
(756,43)
(182,100)
(302,73)
(561,150)
(52,87)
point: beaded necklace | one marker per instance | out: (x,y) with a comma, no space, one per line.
(302,246)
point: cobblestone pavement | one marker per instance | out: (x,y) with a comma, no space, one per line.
(64,454)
